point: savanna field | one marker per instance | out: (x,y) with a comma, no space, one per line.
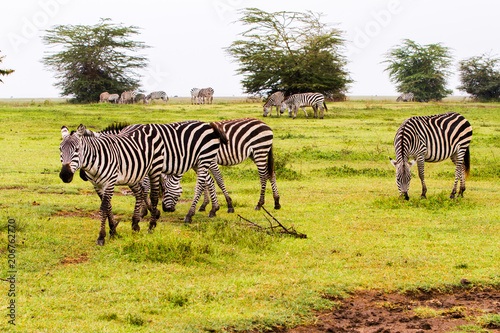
(336,184)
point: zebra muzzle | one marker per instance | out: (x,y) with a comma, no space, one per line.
(66,174)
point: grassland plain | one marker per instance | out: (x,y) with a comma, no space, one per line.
(336,185)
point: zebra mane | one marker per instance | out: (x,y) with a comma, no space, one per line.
(115,128)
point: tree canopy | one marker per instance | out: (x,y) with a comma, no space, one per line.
(94,59)
(421,70)
(290,52)
(480,77)
(4,72)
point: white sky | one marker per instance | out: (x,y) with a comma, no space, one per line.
(187,38)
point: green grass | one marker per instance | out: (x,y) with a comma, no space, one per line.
(336,185)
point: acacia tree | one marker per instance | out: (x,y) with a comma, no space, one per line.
(421,70)
(480,77)
(4,72)
(94,59)
(290,52)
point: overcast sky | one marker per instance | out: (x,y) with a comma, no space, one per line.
(187,38)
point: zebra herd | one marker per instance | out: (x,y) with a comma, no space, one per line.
(294,102)
(202,96)
(151,157)
(131,97)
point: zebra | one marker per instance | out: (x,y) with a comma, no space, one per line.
(206,93)
(194,95)
(157,95)
(113,98)
(140,97)
(432,139)
(127,156)
(127,97)
(104,97)
(409,97)
(247,138)
(276,99)
(293,102)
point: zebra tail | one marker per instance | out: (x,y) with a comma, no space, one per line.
(324,104)
(270,163)
(467,163)
(220,132)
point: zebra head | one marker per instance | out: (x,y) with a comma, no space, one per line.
(71,152)
(403,176)
(172,190)
(266,110)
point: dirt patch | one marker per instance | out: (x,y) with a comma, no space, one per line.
(375,311)
(73,261)
(77,213)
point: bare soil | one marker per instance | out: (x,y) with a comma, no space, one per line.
(376,311)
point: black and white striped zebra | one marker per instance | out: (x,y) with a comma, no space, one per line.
(127,97)
(113,98)
(206,95)
(194,95)
(432,139)
(247,138)
(315,100)
(276,99)
(127,156)
(408,97)
(157,95)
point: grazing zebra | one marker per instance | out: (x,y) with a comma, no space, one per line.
(315,100)
(127,97)
(274,100)
(206,94)
(113,98)
(432,139)
(409,97)
(140,97)
(247,138)
(104,97)
(108,160)
(157,95)
(194,96)
(125,157)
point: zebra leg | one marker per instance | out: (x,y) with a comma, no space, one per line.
(276,194)
(459,174)
(315,109)
(210,187)
(139,204)
(214,169)
(201,180)
(305,112)
(206,200)
(420,165)
(105,213)
(322,109)
(154,194)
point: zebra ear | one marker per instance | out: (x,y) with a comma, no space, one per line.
(394,163)
(412,163)
(64,132)
(80,131)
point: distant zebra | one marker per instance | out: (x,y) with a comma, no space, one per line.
(206,95)
(409,97)
(315,100)
(157,95)
(140,97)
(104,97)
(127,156)
(432,139)
(113,98)
(247,138)
(274,100)
(194,95)
(127,97)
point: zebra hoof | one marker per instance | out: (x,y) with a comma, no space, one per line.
(100,242)
(212,214)
(202,209)
(230,210)
(278,206)
(135,227)
(188,219)
(257,207)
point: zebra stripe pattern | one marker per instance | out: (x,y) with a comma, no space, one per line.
(113,98)
(247,138)
(432,139)
(315,100)
(104,97)
(206,95)
(157,95)
(194,95)
(125,157)
(276,99)
(409,97)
